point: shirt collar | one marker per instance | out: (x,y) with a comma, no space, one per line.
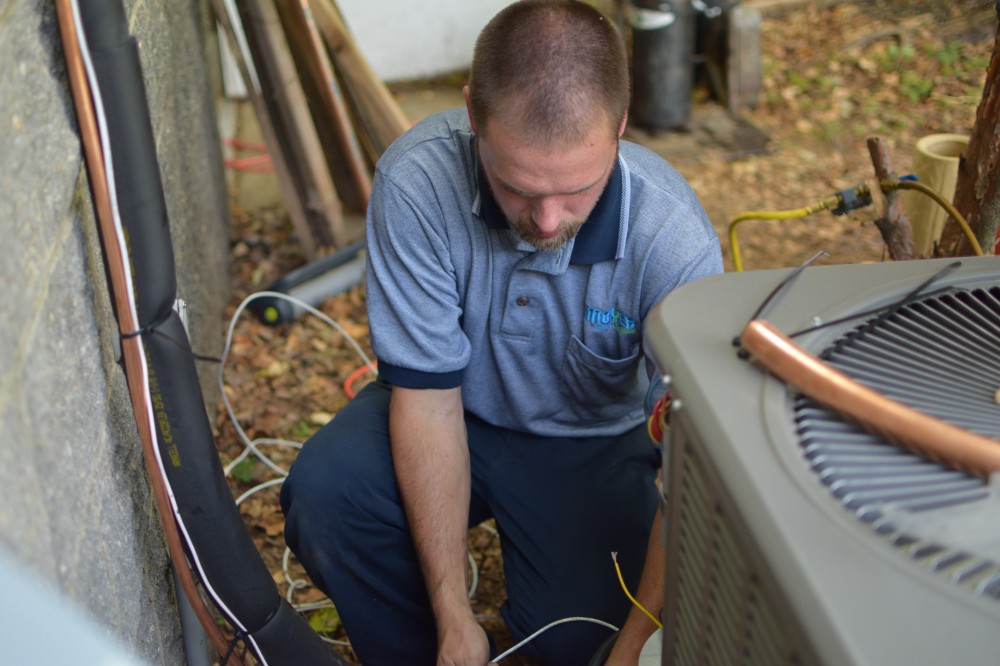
(600,236)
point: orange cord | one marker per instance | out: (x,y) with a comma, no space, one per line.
(351,378)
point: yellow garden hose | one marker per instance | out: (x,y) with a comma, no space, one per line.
(888,185)
(828,203)
(835,201)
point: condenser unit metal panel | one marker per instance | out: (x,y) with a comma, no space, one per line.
(803,575)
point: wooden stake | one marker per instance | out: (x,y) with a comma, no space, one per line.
(377,108)
(290,109)
(329,104)
(291,190)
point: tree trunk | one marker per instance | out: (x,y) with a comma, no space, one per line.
(977,190)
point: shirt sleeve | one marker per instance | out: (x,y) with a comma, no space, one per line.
(414,308)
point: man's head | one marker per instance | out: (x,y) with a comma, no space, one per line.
(556,67)
(547,97)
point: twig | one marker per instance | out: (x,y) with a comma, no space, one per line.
(892,222)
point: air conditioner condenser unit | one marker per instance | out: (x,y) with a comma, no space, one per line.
(794,536)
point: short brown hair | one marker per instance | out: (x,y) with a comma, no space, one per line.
(559,66)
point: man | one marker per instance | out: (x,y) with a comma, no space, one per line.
(514,249)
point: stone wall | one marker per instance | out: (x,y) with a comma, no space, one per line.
(75,505)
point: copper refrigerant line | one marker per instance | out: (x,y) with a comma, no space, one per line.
(898,423)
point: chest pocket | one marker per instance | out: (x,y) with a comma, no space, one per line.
(599,388)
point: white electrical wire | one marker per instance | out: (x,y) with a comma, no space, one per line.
(297,583)
(474,583)
(259,487)
(535,635)
(251,446)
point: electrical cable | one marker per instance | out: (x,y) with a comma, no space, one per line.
(240,432)
(788,279)
(259,487)
(353,377)
(659,419)
(635,602)
(886,311)
(538,633)
(252,447)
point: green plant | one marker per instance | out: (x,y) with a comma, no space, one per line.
(245,470)
(302,430)
(914,86)
(325,620)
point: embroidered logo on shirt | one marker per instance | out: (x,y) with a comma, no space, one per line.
(603,320)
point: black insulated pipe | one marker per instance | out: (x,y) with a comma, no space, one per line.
(311,284)
(138,188)
(218,544)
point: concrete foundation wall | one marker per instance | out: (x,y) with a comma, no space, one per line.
(75,505)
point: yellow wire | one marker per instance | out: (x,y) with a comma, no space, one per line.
(618,570)
(941,201)
(793,214)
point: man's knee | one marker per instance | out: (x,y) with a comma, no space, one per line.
(346,463)
(330,479)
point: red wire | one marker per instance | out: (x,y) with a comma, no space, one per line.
(351,378)
(261,162)
(246,145)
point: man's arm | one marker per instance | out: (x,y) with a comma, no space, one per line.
(638,627)
(431,455)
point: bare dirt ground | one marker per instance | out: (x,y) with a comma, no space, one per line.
(833,75)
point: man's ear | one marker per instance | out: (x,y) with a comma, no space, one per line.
(624,122)
(468,106)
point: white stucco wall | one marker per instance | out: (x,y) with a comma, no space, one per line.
(416,39)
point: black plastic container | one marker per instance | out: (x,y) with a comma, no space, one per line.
(663,46)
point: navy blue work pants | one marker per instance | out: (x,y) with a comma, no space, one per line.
(561,507)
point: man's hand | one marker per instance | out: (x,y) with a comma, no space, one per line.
(463,643)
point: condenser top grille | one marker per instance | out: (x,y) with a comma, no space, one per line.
(941,356)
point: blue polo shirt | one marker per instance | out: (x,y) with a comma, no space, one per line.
(548,343)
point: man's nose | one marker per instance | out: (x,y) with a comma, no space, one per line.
(546,214)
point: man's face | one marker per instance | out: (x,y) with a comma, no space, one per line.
(546,192)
